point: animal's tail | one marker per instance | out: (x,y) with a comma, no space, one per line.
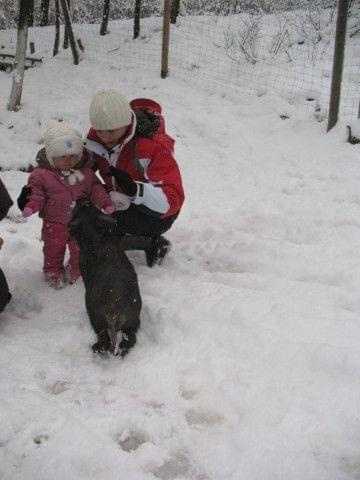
(115,322)
(113,328)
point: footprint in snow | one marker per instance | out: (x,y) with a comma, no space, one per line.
(131,440)
(58,387)
(176,466)
(40,438)
(202,418)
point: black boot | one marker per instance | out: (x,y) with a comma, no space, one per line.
(157,252)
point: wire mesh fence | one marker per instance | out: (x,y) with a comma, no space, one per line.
(287,53)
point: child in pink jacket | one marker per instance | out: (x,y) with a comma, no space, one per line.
(55,184)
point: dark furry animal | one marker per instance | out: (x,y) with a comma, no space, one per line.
(112,297)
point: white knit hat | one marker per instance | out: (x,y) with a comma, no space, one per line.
(61,139)
(109,110)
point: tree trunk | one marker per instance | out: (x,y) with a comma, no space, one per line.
(175,5)
(105,18)
(44,8)
(137,15)
(73,44)
(31,13)
(19,66)
(66,33)
(57,28)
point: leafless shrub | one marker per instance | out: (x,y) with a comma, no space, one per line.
(313,24)
(243,42)
(281,40)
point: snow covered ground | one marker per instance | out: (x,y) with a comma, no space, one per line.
(248,357)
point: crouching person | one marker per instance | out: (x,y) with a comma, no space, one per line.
(5,204)
(134,155)
(55,184)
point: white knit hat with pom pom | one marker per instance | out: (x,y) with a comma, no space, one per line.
(61,139)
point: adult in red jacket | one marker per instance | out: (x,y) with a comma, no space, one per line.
(134,157)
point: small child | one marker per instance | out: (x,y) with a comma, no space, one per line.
(55,184)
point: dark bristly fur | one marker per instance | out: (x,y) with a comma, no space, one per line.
(112,297)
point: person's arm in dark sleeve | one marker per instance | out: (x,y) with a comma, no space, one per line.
(5,201)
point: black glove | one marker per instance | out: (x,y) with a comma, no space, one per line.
(23,197)
(125,182)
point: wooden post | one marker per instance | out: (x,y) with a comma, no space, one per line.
(57,28)
(175,5)
(343,7)
(105,18)
(165,39)
(73,44)
(19,63)
(137,15)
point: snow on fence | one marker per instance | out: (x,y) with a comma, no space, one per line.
(288,54)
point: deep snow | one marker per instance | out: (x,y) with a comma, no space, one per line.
(248,357)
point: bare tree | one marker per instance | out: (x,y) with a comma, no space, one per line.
(105,18)
(19,66)
(73,44)
(57,28)
(31,13)
(175,5)
(66,33)
(44,8)
(137,15)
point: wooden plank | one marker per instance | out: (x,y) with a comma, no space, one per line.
(31,58)
(9,63)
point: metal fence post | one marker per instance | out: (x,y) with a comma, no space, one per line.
(343,7)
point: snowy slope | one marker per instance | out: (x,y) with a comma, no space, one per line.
(248,355)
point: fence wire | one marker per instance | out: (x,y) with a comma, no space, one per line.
(288,54)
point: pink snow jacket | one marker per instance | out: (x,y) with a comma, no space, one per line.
(52,194)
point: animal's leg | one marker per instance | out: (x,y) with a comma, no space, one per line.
(127,342)
(103,343)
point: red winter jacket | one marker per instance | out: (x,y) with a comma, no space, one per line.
(155,170)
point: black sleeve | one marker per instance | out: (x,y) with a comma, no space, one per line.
(5,201)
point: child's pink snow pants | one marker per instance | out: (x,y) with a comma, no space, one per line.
(56,237)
